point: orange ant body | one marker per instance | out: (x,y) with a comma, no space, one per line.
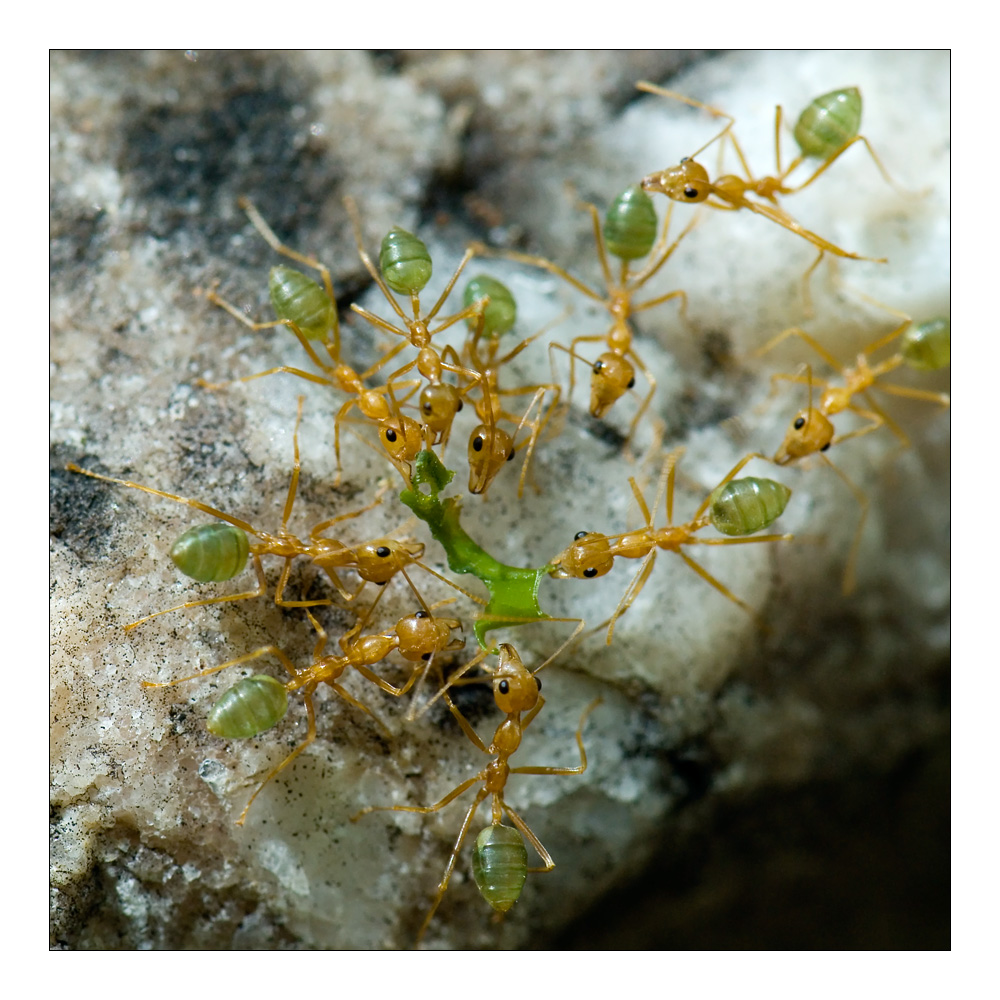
(310,312)
(406,268)
(257,703)
(516,691)
(690,182)
(224,552)
(811,430)
(750,505)
(629,233)
(490,446)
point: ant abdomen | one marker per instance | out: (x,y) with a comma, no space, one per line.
(249,707)
(404,261)
(500,865)
(211,553)
(829,122)
(630,224)
(927,346)
(299,299)
(748,505)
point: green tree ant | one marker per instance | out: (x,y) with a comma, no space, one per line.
(310,312)
(629,233)
(690,181)
(734,507)
(515,690)
(259,702)
(211,553)
(925,346)
(405,265)
(490,446)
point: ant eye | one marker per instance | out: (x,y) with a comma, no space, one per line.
(800,423)
(824,448)
(579,535)
(427,407)
(539,683)
(477,443)
(598,365)
(631,382)
(690,192)
(510,457)
(390,434)
(590,571)
(503,687)
(382,551)
(684,159)
(426,656)
(421,614)
(459,408)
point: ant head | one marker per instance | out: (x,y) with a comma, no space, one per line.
(379,561)
(489,449)
(810,431)
(611,377)
(588,556)
(515,688)
(422,635)
(402,438)
(438,405)
(689,181)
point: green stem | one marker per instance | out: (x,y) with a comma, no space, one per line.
(513,589)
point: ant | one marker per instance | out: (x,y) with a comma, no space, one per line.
(736,507)
(216,552)
(259,702)
(406,267)
(310,312)
(500,862)
(832,116)
(924,346)
(629,233)
(490,447)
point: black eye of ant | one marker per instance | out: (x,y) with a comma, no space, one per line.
(590,571)
(390,434)
(421,614)
(539,683)
(382,551)
(598,365)
(684,159)
(579,535)
(477,443)
(799,423)
(824,448)
(503,687)
(459,407)
(510,457)
(631,382)
(427,407)
(426,656)
(690,192)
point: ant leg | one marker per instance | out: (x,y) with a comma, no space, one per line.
(256,654)
(794,331)
(351,700)
(564,770)
(547,863)
(652,88)
(725,591)
(259,592)
(310,736)
(849,570)
(257,221)
(450,867)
